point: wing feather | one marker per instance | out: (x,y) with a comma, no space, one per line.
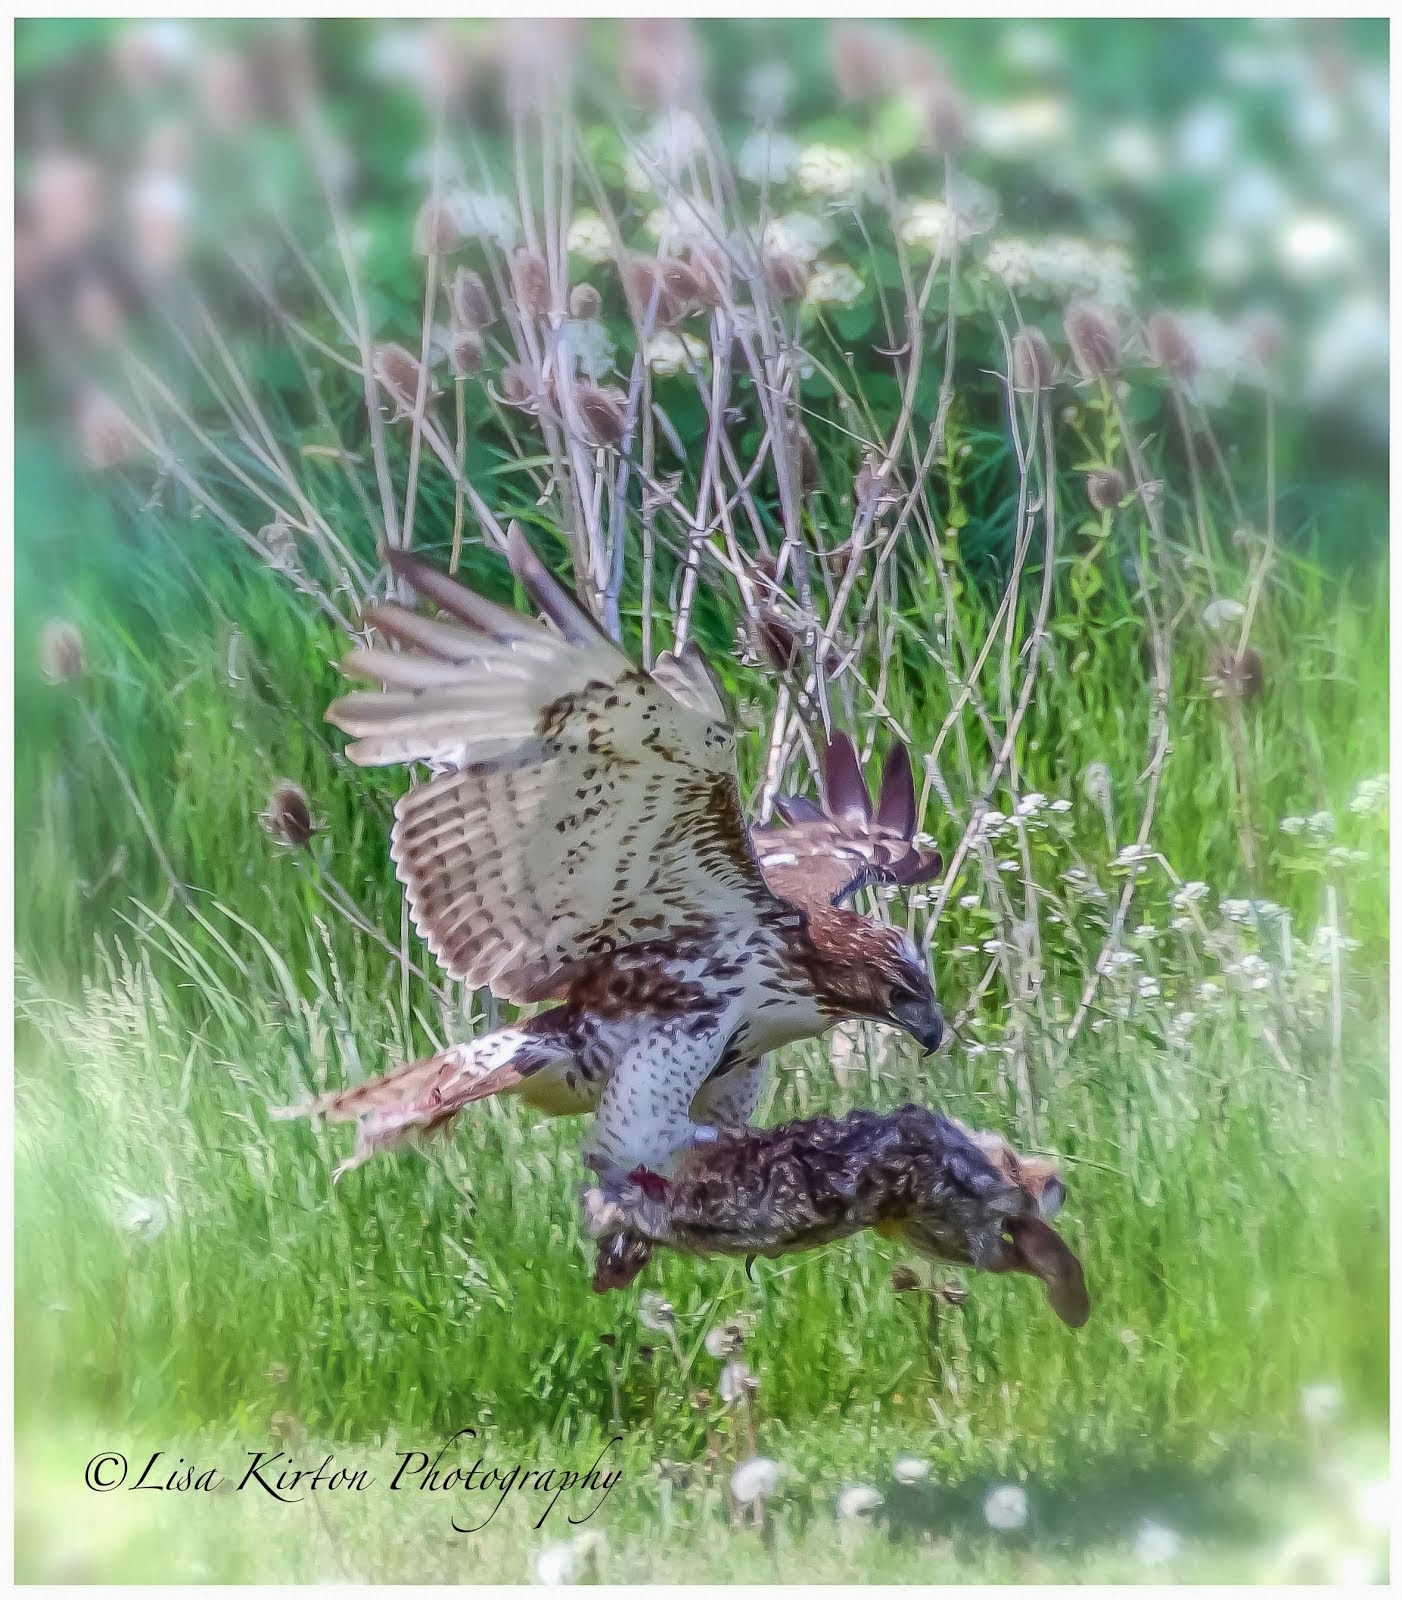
(824,857)
(585,804)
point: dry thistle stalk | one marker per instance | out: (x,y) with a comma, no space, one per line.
(287,817)
(1105,488)
(586,303)
(530,282)
(1033,366)
(807,457)
(1093,337)
(62,655)
(472,305)
(1170,347)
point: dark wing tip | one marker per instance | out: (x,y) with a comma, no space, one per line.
(844,788)
(548,592)
(794,808)
(896,807)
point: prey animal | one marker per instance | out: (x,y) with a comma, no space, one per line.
(582,842)
(924,1180)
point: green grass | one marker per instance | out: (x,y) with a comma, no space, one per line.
(1227,1197)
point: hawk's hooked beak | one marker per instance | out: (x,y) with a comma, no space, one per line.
(923,1021)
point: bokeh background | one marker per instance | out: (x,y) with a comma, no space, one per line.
(1018,389)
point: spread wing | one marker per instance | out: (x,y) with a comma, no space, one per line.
(825,856)
(585,804)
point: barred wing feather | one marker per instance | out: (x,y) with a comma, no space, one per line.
(581,804)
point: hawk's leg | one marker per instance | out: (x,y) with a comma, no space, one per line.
(730,1099)
(643,1129)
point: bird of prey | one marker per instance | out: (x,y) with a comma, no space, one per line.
(948,1192)
(583,842)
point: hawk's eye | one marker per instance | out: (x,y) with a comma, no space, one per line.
(903,995)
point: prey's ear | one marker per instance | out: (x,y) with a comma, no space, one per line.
(1041,1251)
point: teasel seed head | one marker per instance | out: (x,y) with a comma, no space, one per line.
(1093,337)
(1170,347)
(904,1280)
(862,58)
(466,353)
(645,283)
(787,277)
(1105,488)
(435,232)
(710,267)
(530,282)
(62,654)
(399,373)
(586,302)
(604,412)
(472,305)
(287,817)
(1034,367)
(1238,674)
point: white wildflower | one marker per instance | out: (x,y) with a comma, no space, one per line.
(1292,824)
(1133,853)
(928,226)
(724,1340)
(558,1565)
(967,902)
(144,1217)
(756,1478)
(1218,613)
(683,221)
(1059,806)
(910,1469)
(1321,824)
(1321,1404)
(478,215)
(1060,268)
(1133,153)
(1009,865)
(669,353)
(589,343)
(1155,1545)
(1031,804)
(1370,796)
(767,157)
(655,1313)
(588,238)
(796,234)
(1005,1508)
(1190,893)
(768,89)
(1207,137)
(664,151)
(1148,989)
(1123,960)
(831,173)
(833,283)
(1182,925)
(992,946)
(1018,128)
(859,1500)
(736,1380)
(1315,245)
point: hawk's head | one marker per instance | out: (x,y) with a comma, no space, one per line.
(865,969)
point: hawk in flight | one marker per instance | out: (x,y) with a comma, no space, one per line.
(582,842)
